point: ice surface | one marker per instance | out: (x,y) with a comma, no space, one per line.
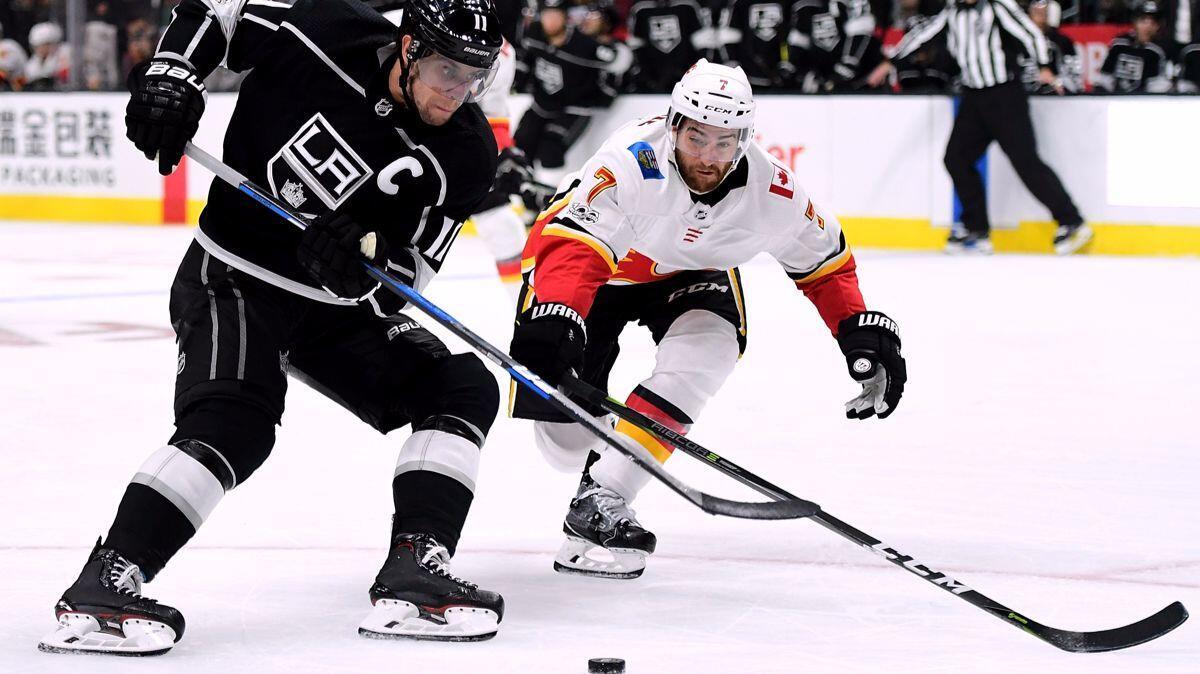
(1045,454)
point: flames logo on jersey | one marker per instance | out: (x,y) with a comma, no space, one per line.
(606,180)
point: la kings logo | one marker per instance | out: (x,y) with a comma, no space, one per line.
(665,33)
(825,31)
(549,75)
(765,20)
(322,160)
(1128,71)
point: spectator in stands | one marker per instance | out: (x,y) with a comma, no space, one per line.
(1064,60)
(832,44)
(1181,21)
(599,23)
(1138,61)
(50,66)
(12,63)
(140,39)
(663,35)
(756,41)
(100,49)
(1189,70)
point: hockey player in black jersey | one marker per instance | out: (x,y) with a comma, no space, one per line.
(1064,58)
(757,41)
(666,37)
(1138,61)
(832,44)
(370,131)
(571,78)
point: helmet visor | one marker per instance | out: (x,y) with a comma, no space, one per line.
(452,79)
(708,142)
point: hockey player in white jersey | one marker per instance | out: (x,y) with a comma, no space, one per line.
(652,231)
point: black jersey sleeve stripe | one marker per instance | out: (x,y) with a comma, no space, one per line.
(914,40)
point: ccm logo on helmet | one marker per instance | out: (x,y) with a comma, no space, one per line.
(714,108)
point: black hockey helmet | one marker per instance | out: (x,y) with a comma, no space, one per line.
(560,5)
(1148,8)
(466,31)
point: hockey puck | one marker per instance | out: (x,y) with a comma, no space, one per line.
(606,666)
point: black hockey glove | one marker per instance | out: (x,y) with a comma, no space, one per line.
(165,104)
(549,340)
(871,342)
(332,249)
(513,171)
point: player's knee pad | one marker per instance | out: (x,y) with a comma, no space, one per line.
(463,400)
(694,358)
(565,446)
(238,437)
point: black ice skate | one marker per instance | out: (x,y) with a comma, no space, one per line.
(104,613)
(415,597)
(604,538)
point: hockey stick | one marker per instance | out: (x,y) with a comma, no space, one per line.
(713,505)
(1144,630)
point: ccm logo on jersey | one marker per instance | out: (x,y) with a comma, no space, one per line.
(781,183)
(320,158)
(703,286)
(163,68)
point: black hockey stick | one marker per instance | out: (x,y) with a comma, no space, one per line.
(778,510)
(1133,634)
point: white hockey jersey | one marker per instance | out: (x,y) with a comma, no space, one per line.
(631,208)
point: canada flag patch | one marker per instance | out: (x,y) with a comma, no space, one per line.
(781,183)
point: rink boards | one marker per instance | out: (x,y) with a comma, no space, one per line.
(876,161)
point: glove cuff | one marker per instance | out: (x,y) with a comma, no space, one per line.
(875,321)
(551,310)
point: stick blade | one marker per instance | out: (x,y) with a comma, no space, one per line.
(789,509)
(1146,629)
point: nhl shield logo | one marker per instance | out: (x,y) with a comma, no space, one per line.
(765,19)
(665,33)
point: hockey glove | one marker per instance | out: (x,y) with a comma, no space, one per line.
(514,170)
(165,104)
(549,340)
(871,343)
(332,249)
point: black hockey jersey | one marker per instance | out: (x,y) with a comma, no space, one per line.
(315,124)
(1064,61)
(1189,70)
(833,40)
(1133,67)
(662,34)
(574,78)
(760,29)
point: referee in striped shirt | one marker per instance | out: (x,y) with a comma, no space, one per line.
(985,37)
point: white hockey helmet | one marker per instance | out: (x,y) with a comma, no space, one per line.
(716,95)
(45,33)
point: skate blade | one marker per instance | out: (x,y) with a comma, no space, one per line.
(80,634)
(396,619)
(584,558)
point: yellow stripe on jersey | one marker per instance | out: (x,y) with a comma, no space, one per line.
(658,449)
(827,268)
(601,248)
(739,300)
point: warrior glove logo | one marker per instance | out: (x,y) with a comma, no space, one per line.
(321,159)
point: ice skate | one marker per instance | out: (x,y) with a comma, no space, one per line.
(104,612)
(1069,239)
(604,538)
(415,597)
(962,242)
